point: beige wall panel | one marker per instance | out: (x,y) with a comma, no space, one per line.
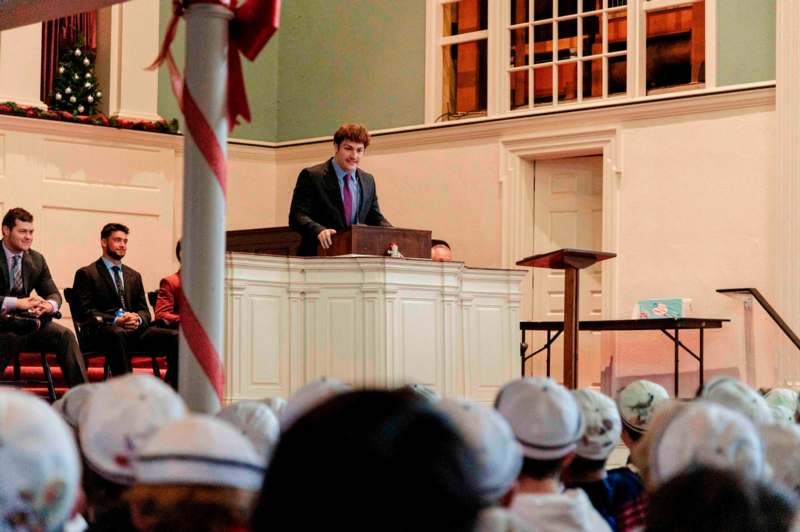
(696,216)
(420,322)
(252,186)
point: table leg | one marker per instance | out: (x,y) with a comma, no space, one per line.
(677,368)
(701,356)
(548,353)
(523,348)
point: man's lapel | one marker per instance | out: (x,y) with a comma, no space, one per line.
(334,192)
(362,204)
(106,275)
(128,280)
(5,281)
(28,270)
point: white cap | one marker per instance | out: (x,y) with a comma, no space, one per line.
(781,414)
(490,438)
(603,424)
(782,396)
(423,392)
(735,394)
(40,468)
(309,397)
(637,401)
(71,404)
(706,433)
(276,404)
(122,413)
(782,449)
(201,450)
(544,416)
(256,422)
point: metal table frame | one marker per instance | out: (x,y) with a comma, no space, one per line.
(670,327)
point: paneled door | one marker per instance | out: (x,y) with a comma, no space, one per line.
(568,200)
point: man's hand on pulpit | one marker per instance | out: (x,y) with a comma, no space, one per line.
(325,237)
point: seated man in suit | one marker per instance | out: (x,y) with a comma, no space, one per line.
(24,270)
(111,298)
(331,196)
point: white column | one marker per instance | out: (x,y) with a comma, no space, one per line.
(787,212)
(21,65)
(127,42)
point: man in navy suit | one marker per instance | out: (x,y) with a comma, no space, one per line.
(110,297)
(22,271)
(336,194)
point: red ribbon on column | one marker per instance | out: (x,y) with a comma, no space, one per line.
(254,23)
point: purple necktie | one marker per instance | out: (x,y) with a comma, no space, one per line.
(348,200)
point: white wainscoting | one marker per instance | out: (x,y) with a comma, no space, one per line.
(369,321)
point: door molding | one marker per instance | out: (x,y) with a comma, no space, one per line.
(516,183)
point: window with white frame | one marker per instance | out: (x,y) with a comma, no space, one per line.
(498,56)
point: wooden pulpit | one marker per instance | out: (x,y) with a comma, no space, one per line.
(571,261)
(376,240)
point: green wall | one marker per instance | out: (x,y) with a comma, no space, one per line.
(350,61)
(745,41)
(261,78)
(332,61)
(335,61)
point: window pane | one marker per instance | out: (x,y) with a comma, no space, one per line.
(543,43)
(617,31)
(617,75)
(567,7)
(519,47)
(542,9)
(519,11)
(567,38)
(568,82)
(543,85)
(676,46)
(617,3)
(592,79)
(591,5)
(519,89)
(464,78)
(592,35)
(464,16)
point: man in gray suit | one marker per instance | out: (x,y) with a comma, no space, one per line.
(336,194)
(23,270)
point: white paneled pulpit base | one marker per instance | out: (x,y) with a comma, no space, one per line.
(369,321)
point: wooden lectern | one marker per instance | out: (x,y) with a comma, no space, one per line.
(375,240)
(569,260)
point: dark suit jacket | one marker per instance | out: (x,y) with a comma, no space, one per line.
(96,294)
(35,276)
(317,204)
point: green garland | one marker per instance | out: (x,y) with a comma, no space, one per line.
(98,119)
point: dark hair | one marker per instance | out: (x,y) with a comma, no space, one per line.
(437,242)
(634,435)
(710,499)
(586,465)
(17,213)
(110,228)
(370,460)
(541,469)
(351,132)
(178,250)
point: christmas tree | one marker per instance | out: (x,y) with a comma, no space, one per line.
(75,86)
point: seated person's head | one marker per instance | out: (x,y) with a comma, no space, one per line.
(709,434)
(782,451)
(710,500)
(602,434)
(738,396)
(118,419)
(255,421)
(308,397)
(546,421)
(196,473)
(636,403)
(370,460)
(498,455)
(440,251)
(40,468)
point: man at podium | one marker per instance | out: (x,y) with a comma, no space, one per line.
(331,196)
